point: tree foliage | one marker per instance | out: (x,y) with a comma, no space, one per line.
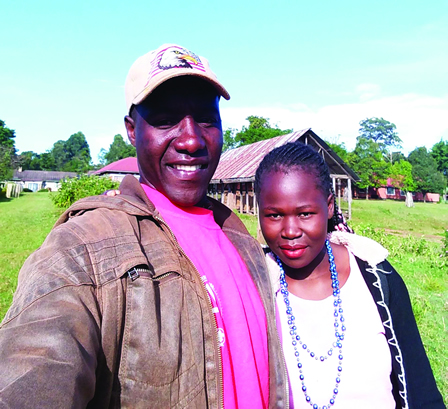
(368,162)
(440,154)
(118,149)
(72,155)
(340,150)
(425,173)
(259,129)
(229,141)
(401,176)
(77,154)
(381,132)
(7,151)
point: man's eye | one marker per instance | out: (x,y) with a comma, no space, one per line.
(274,216)
(207,121)
(163,123)
(305,214)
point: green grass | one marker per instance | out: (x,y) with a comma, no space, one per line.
(424,219)
(24,224)
(26,221)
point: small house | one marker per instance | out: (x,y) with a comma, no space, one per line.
(233,181)
(41,179)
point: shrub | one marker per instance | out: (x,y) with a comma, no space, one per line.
(74,189)
(25,189)
(43,190)
(445,244)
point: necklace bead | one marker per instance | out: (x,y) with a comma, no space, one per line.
(297,341)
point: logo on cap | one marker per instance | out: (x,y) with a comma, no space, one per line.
(174,57)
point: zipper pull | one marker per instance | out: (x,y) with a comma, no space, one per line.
(133,274)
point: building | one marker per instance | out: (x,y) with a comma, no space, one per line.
(41,179)
(233,181)
(119,169)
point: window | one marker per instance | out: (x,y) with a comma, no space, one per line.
(402,193)
(390,191)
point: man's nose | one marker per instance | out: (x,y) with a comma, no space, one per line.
(190,136)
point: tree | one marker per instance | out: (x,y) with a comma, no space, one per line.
(339,149)
(401,176)
(368,162)
(229,139)
(59,155)
(72,155)
(118,149)
(381,132)
(259,129)
(425,173)
(78,153)
(7,151)
(440,154)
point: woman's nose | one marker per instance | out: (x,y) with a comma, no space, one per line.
(291,228)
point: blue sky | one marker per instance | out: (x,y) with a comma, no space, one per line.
(325,65)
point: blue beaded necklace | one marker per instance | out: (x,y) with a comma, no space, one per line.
(298,343)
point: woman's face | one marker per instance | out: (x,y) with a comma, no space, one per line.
(294,216)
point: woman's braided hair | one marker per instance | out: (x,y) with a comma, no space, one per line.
(296,155)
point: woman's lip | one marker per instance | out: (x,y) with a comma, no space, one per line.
(293,252)
(289,247)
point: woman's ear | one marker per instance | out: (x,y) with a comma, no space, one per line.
(130,129)
(330,204)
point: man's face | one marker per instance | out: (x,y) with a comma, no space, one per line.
(178,136)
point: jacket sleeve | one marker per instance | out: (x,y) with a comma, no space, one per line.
(421,387)
(50,337)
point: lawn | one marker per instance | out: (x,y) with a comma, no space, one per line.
(25,222)
(424,219)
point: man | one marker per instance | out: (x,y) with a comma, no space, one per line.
(155,298)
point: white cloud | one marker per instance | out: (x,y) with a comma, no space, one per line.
(421,120)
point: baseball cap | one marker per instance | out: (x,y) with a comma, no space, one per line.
(168,61)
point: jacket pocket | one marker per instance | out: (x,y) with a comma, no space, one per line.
(162,360)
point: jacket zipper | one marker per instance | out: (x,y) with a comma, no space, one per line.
(135,273)
(210,309)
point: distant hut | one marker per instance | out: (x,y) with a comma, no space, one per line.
(119,169)
(233,181)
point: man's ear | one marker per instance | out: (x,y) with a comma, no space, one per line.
(130,129)
(330,203)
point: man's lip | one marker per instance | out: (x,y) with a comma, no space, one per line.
(188,167)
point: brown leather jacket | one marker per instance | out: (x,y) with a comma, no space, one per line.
(87,329)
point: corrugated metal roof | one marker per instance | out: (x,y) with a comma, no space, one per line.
(126,165)
(242,162)
(42,175)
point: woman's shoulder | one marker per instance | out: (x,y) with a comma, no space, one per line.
(364,248)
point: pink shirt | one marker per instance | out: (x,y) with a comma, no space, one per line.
(238,309)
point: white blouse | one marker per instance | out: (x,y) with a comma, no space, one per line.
(365,377)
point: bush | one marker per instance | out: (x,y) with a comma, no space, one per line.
(74,189)
(399,246)
(25,189)
(445,244)
(43,190)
